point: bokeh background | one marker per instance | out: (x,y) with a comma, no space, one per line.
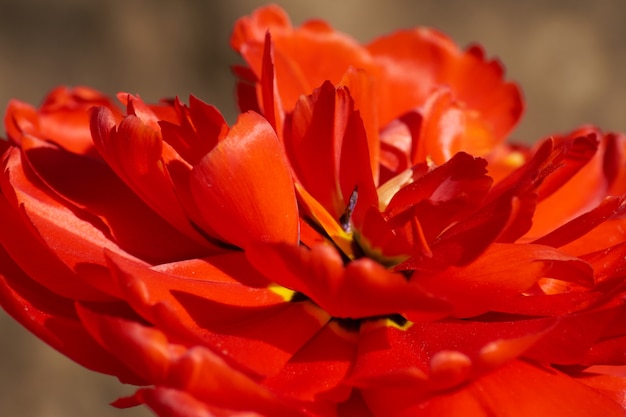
(568,56)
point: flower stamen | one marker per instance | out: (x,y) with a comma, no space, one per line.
(346,217)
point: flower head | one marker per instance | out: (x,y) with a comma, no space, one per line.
(361,242)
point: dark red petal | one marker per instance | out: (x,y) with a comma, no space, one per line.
(571,154)
(610,352)
(328,149)
(465,240)
(355,406)
(93,187)
(243,187)
(137,154)
(70,233)
(355,172)
(245,90)
(23,245)
(53,319)
(313,140)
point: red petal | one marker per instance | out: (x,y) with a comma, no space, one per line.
(70,233)
(440,198)
(313,140)
(53,319)
(255,26)
(270,100)
(168,402)
(516,390)
(416,61)
(225,304)
(416,354)
(137,154)
(245,90)
(200,128)
(317,371)
(23,246)
(98,191)
(449,127)
(573,339)
(197,371)
(581,225)
(328,150)
(611,385)
(578,166)
(502,272)
(361,87)
(63,118)
(296,61)
(243,187)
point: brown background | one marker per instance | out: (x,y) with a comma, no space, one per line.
(568,56)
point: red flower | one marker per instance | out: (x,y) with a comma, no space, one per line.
(359,243)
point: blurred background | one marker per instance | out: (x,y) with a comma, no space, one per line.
(568,56)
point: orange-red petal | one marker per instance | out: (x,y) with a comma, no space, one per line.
(243,187)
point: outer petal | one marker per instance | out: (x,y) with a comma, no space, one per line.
(94,188)
(243,187)
(53,319)
(439,355)
(414,62)
(197,371)
(503,272)
(223,303)
(169,402)
(24,244)
(77,240)
(63,118)
(449,127)
(518,389)
(296,58)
